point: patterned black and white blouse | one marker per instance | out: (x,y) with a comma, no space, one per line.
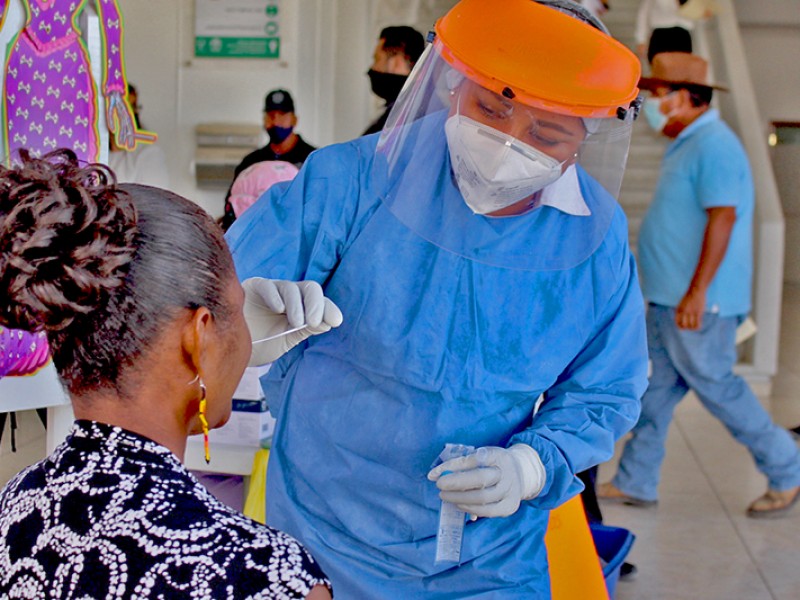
(111,514)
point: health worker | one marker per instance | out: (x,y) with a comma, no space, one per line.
(479,260)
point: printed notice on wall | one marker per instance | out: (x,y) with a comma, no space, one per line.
(237,29)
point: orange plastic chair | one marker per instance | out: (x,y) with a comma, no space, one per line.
(255,505)
(575,571)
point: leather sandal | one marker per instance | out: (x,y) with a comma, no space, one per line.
(610,492)
(774,504)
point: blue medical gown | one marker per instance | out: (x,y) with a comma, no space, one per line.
(437,348)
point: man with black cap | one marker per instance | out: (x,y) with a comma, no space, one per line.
(695,259)
(284,144)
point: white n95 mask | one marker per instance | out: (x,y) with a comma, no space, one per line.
(494,170)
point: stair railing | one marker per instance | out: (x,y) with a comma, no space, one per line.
(721,39)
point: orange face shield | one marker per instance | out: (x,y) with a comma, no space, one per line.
(513,103)
(539,56)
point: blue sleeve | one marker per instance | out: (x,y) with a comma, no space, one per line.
(596,400)
(298,231)
(723,171)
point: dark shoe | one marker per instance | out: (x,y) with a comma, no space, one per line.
(627,572)
(774,504)
(609,492)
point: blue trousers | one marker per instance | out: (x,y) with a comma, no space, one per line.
(701,361)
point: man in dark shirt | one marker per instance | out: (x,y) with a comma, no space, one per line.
(284,144)
(396,53)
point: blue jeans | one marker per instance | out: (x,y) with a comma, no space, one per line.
(702,361)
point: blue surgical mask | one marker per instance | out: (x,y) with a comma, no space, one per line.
(278,134)
(652,112)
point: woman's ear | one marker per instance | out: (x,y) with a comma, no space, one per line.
(197,338)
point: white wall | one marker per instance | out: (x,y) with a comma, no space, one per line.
(768,12)
(771,36)
(326,50)
(773,54)
(177,91)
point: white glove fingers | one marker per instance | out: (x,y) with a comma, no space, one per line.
(263,293)
(454,465)
(474,479)
(473,498)
(293,301)
(496,509)
(281,314)
(332,315)
(313,303)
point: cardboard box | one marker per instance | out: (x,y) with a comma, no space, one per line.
(250,424)
(249,387)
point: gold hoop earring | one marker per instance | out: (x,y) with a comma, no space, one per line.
(203,419)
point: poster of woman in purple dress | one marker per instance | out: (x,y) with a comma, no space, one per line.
(51,101)
(22,353)
(51,98)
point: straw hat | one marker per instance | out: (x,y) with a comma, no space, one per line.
(671,68)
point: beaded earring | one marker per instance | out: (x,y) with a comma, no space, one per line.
(204,420)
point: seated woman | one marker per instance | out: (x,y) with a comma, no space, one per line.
(136,290)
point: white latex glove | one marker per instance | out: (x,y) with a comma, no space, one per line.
(492,481)
(273,306)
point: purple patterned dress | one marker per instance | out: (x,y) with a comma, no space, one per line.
(22,353)
(49,99)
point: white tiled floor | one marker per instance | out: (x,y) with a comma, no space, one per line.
(697,544)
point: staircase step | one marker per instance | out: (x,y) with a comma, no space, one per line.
(639,175)
(635,202)
(647,147)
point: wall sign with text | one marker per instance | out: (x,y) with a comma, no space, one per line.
(237,29)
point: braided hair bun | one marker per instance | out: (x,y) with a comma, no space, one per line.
(66,240)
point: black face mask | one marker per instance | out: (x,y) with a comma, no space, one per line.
(386,85)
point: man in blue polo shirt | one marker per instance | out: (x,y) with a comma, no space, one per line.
(695,255)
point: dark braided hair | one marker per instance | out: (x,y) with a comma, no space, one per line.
(101,267)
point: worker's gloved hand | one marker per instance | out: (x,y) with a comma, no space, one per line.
(272,307)
(492,481)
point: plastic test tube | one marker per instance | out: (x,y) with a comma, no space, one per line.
(451,519)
